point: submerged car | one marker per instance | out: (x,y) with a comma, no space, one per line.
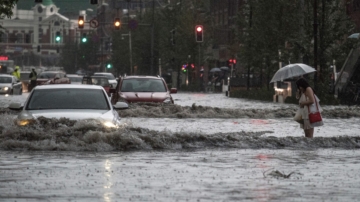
(132,89)
(111,78)
(10,85)
(75,102)
(52,77)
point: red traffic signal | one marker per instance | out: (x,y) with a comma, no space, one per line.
(199,33)
(232,61)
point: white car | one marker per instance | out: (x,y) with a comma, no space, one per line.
(75,102)
(10,85)
(74,78)
(109,76)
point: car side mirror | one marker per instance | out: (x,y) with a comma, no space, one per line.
(121,105)
(15,106)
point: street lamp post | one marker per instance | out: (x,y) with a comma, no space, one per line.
(130,49)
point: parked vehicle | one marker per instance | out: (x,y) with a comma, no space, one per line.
(109,76)
(75,102)
(132,89)
(52,77)
(10,85)
(74,78)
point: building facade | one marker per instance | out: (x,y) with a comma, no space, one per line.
(34,31)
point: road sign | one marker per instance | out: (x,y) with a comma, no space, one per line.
(94,23)
(133,24)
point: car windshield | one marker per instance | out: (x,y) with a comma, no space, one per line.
(75,79)
(5,79)
(47,75)
(108,76)
(143,85)
(68,99)
(99,81)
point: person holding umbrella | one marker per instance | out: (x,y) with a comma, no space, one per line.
(308,103)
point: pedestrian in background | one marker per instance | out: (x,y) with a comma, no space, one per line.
(16,72)
(309,103)
(33,78)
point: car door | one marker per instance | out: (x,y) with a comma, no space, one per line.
(16,84)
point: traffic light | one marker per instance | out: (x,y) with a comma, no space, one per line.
(184,69)
(38,48)
(57,37)
(199,33)
(231,61)
(81,22)
(93,1)
(108,65)
(84,38)
(117,23)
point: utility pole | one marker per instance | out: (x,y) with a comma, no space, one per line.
(248,72)
(130,46)
(315,42)
(152,39)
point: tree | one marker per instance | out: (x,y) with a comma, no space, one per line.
(6,8)
(264,28)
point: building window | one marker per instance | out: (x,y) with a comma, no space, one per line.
(40,18)
(57,23)
(3,37)
(19,38)
(27,38)
(40,9)
(51,9)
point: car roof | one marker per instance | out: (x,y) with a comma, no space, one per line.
(73,75)
(6,75)
(102,73)
(53,72)
(141,77)
(68,86)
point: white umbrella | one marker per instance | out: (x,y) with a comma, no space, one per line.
(292,70)
(215,69)
(225,68)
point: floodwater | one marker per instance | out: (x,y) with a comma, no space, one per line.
(206,147)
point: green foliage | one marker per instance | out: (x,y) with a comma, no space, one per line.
(173,16)
(6,8)
(265,28)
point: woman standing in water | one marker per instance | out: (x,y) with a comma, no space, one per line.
(308,102)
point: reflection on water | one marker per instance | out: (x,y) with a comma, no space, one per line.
(204,175)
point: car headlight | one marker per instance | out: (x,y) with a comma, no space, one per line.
(6,88)
(25,122)
(167,100)
(109,124)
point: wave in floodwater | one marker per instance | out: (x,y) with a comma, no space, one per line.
(66,135)
(154,110)
(195,111)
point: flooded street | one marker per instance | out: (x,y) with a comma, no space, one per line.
(207,147)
